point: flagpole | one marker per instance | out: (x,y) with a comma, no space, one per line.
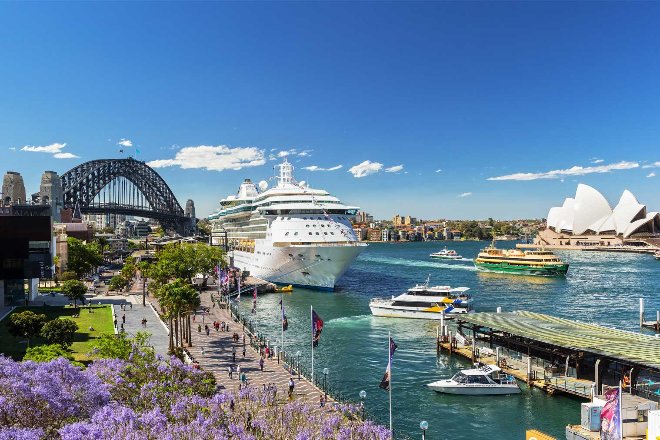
(282,319)
(311,318)
(389,362)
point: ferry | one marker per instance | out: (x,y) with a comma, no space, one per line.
(289,234)
(424,302)
(482,381)
(446,254)
(532,262)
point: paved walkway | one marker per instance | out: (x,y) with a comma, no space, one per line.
(217,357)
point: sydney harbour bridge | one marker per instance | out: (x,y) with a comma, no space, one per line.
(124,187)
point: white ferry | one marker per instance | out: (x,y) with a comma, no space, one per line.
(446,254)
(486,380)
(424,302)
(289,234)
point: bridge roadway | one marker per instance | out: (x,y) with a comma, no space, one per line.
(217,357)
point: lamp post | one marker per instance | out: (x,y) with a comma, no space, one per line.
(423,425)
(298,353)
(363,395)
(325,377)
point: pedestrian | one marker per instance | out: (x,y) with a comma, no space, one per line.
(233,354)
(194,318)
(238,370)
(199,328)
(244,351)
(123,319)
(261,364)
(321,402)
(131,304)
(243,339)
(292,386)
(206,329)
(231,405)
(203,352)
(115,322)
(122,326)
(229,369)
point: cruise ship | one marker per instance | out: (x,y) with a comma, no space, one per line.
(287,234)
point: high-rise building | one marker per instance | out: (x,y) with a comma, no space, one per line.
(396,221)
(50,193)
(13,188)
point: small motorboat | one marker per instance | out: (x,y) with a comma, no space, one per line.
(446,254)
(481,381)
(657,255)
(284,289)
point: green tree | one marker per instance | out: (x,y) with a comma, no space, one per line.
(74,290)
(82,258)
(68,275)
(26,324)
(120,346)
(59,331)
(46,353)
(128,271)
(118,282)
(204,227)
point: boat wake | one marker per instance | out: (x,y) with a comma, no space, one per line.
(417,263)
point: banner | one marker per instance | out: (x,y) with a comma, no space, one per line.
(385,382)
(610,416)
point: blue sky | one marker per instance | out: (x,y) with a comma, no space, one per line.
(520,92)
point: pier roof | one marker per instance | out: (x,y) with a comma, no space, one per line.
(634,348)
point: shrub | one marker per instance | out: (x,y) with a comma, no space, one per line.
(47,353)
(118,282)
(74,290)
(59,331)
(68,275)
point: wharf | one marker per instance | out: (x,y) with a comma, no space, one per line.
(621,249)
(559,355)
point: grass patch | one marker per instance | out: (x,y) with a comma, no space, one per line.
(100,319)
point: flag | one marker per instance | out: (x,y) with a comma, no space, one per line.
(385,382)
(317,327)
(610,415)
(254,294)
(285,322)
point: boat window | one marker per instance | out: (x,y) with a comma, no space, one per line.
(325,233)
(307,226)
(332,233)
(478,379)
(460,378)
(317,233)
(295,233)
(287,233)
(310,233)
(314,225)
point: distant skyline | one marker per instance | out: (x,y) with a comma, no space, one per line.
(436,110)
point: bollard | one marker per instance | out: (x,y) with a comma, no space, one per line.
(499,310)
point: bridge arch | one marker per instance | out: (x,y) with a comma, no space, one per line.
(81,186)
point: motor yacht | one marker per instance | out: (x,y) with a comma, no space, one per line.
(481,381)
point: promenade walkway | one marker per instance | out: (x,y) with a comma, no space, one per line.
(217,357)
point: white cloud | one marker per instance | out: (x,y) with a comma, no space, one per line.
(54,149)
(439,170)
(125,142)
(65,156)
(213,158)
(652,165)
(365,168)
(573,171)
(465,194)
(394,169)
(12,148)
(596,160)
(651,175)
(318,168)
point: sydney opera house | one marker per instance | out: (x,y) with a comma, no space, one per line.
(587,220)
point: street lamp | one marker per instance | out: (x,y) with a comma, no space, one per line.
(325,377)
(298,353)
(423,425)
(363,395)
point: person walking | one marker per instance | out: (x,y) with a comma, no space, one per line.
(115,322)
(131,304)
(229,369)
(206,329)
(292,386)
(244,351)
(238,370)
(199,328)
(233,354)
(123,319)
(261,363)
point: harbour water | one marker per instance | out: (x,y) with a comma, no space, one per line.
(600,287)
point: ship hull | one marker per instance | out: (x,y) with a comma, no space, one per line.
(550,270)
(311,266)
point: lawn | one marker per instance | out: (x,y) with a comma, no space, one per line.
(100,319)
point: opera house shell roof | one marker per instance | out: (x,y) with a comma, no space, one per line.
(589,213)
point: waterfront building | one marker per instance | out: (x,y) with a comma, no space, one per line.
(374,234)
(588,220)
(397,220)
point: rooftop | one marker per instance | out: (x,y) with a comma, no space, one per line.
(616,344)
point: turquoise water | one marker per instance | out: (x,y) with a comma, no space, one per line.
(600,287)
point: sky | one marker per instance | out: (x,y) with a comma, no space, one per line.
(432,109)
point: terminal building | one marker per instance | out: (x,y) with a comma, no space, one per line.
(588,220)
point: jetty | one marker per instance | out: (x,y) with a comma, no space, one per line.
(557,354)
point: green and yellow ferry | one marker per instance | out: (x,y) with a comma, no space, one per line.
(536,262)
